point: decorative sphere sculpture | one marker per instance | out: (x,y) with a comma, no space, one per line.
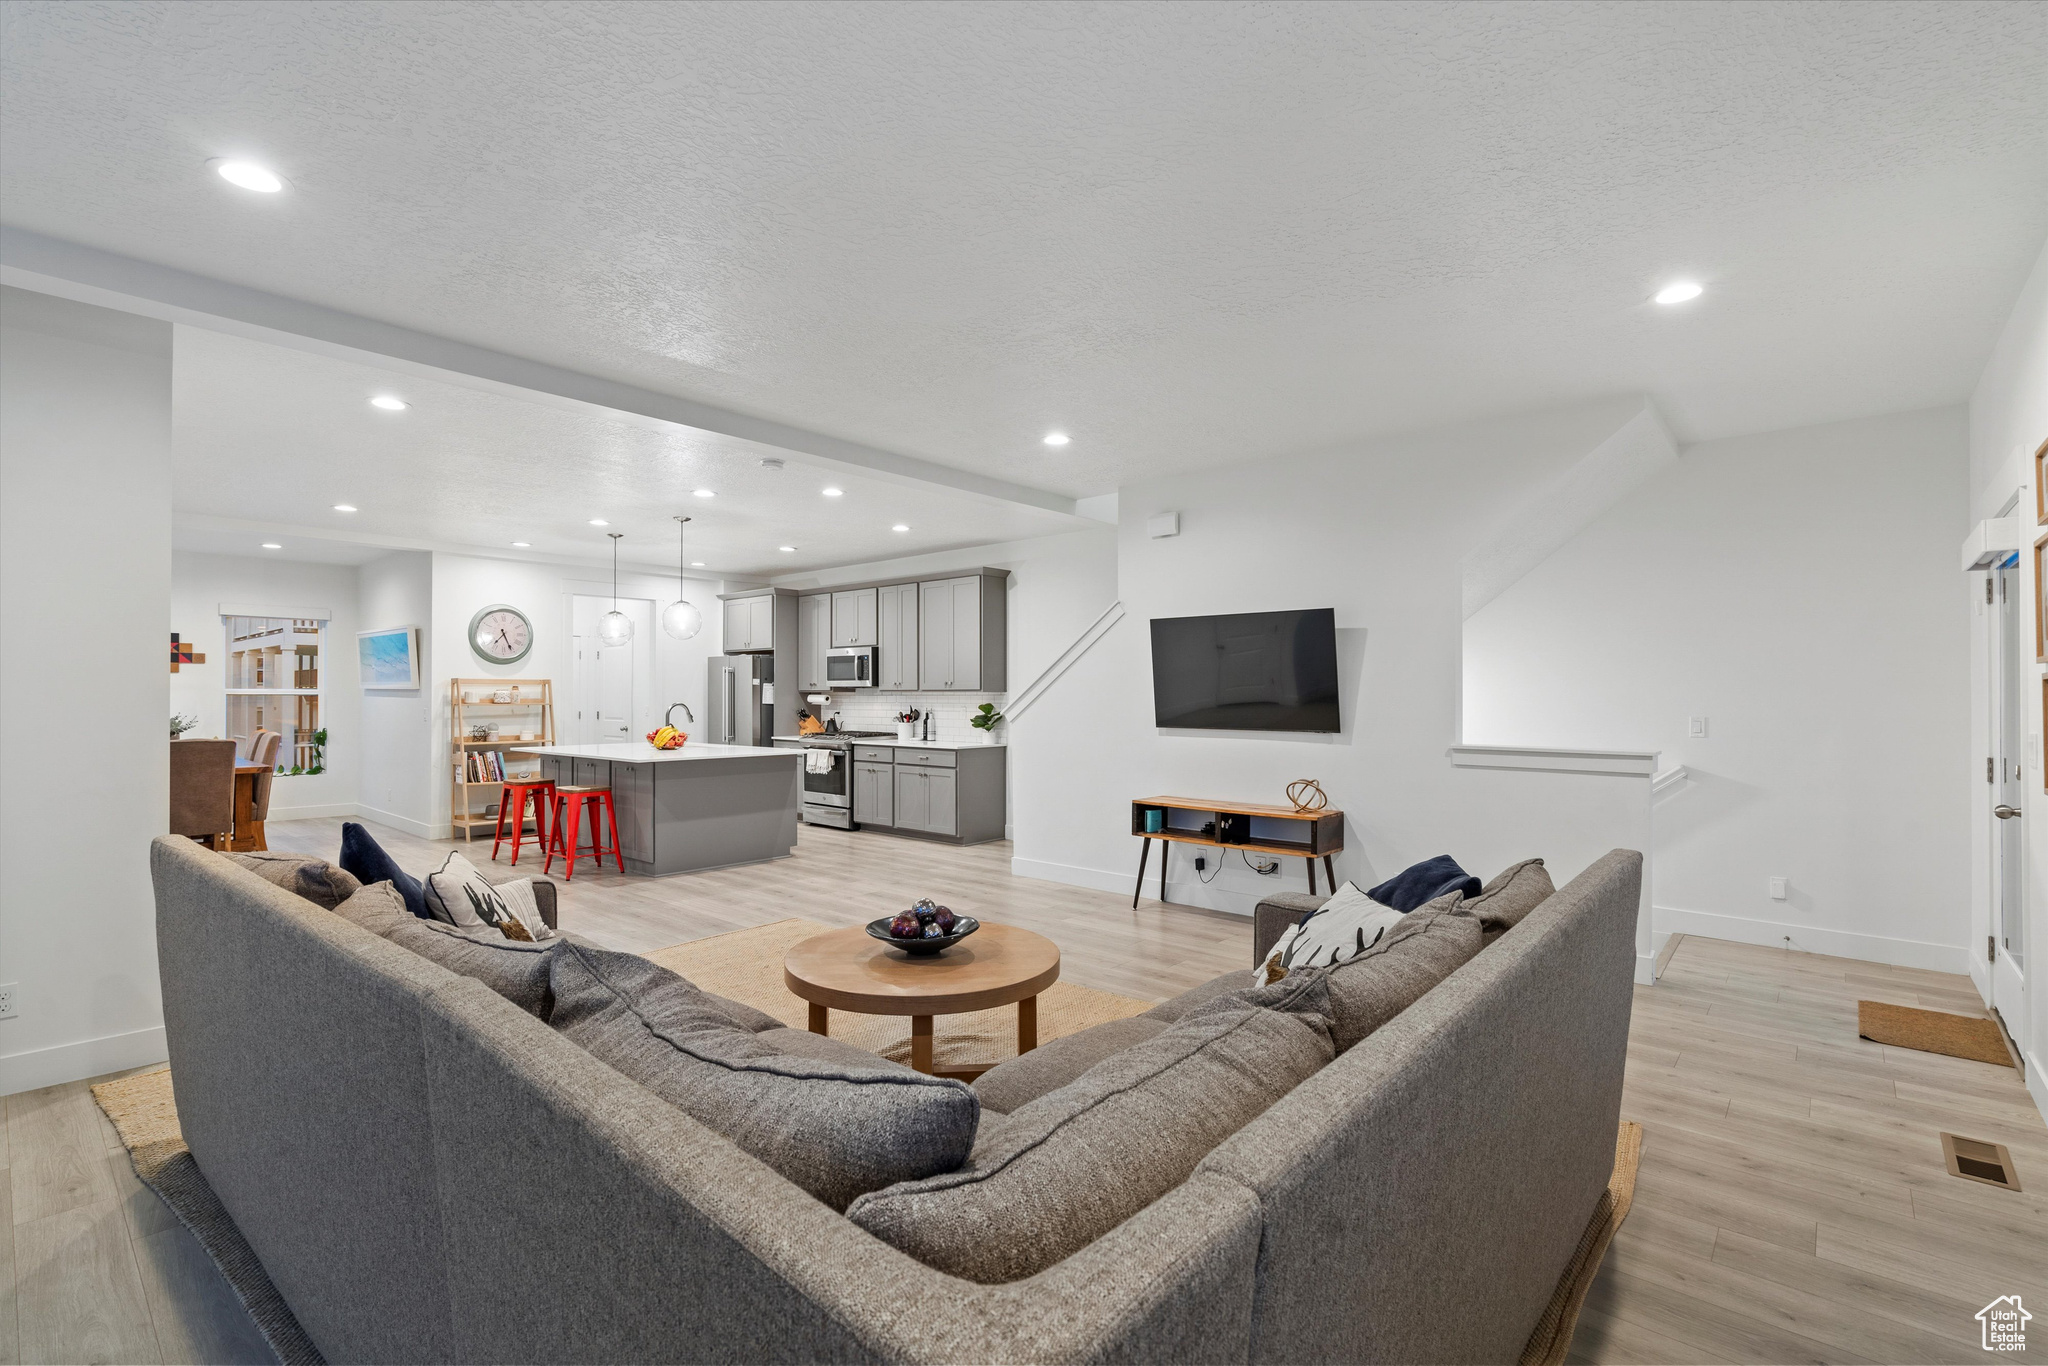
(1307,795)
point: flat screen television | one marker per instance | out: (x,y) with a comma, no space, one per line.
(1246,671)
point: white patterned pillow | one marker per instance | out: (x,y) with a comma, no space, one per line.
(520,900)
(1346,925)
(459,895)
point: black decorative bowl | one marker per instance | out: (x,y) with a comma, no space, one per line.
(924,948)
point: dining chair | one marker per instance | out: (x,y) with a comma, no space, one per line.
(203,791)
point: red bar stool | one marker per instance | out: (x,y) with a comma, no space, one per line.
(513,797)
(570,804)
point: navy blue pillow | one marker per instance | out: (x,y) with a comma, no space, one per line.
(1405,890)
(366,860)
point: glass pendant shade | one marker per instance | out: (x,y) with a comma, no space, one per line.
(614,628)
(681,619)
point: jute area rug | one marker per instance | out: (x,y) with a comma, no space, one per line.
(1933,1031)
(1551,1342)
(746,965)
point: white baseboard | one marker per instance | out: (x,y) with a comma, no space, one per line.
(1194,894)
(2037,1080)
(397,822)
(308,813)
(1646,969)
(1871,948)
(77,1061)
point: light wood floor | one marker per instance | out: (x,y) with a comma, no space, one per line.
(1792,1204)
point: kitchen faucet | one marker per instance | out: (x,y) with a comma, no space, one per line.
(669,716)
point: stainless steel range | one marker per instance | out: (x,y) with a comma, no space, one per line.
(828,787)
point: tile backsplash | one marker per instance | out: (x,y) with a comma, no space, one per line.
(877,711)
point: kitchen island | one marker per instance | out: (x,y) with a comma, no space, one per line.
(689,809)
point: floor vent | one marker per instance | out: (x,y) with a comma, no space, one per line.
(1975,1160)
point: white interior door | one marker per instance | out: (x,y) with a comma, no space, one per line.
(2013,681)
(606,676)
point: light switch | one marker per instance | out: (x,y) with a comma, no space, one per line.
(1696,727)
(1777,889)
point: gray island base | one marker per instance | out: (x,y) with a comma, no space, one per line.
(689,809)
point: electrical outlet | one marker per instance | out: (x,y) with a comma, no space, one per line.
(8,990)
(1696,727)
(1267,867)
(1777,889)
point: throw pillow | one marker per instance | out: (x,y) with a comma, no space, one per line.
(1503,902)
(1015,1082)
(525,907)
(365,860)
(834,1127)
(1427,946)
(1424,882)
(1059,1172)
(1345,926)
(460,895)
(315,879)
(516,971)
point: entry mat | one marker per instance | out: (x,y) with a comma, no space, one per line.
(1933,1031)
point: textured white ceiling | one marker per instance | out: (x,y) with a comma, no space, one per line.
(1185,233)
(265,440)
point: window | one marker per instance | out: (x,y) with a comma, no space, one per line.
(273,684)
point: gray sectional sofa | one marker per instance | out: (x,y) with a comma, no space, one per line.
(430,1173)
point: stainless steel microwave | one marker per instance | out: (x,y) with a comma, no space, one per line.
(851,666)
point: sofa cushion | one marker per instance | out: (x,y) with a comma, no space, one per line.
(1427,946)
(315,879)
(365,860)
(1016,1082)
(1061,1171)
(517,971)
(1180,1007)
(835,1127)
(1421,883)
(1502,903)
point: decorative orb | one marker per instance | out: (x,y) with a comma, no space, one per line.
(682,619)
(614,628)
(1307,795)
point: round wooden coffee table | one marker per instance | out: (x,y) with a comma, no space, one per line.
(997,964)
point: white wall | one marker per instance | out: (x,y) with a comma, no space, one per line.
(1376,532)
(1799,590)
(2008,422)
(200,583)
(399,761)
(85,561)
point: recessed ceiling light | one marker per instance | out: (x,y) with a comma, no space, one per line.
(522,545)
(787,549)
(272,545)
(389,404)
(771,463)
(1057,438)
(249,176)
(834,493)
(344,507)
(704,493)
(696,564)
(899,527)
(599,521)
(1679,292)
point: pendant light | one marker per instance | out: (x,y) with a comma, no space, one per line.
(681,618)
(615,627)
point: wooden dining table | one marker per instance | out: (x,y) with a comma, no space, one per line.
(248,834)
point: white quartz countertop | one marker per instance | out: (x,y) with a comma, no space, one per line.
(640,752)
(903,744)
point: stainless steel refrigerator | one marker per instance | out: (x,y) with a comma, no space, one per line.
(741,705)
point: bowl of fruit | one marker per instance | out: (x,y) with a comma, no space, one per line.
(925,929)
(667,737)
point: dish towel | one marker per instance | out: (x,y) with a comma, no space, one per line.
(820,760)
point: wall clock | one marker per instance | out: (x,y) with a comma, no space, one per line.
(500,634)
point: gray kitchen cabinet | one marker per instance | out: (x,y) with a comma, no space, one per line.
(813,630)
(853,618)
(913,800)
(963,634)
(896,636)
(874,793)
(750,623)
(956,795)
(941,816)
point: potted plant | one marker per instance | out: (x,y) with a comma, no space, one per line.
(319,763)
(985,719)
(181,724)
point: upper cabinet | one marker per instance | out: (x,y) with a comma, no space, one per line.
(896,636)
(750,624)
(813,631)
(963,634)
(854,618)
